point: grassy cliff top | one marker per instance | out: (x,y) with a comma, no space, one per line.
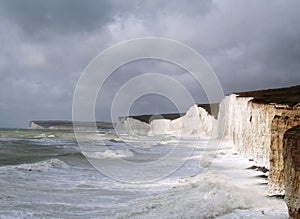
(287,96)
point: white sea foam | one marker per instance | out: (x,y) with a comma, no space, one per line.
(51,136)
(226,189)
(206,195)
(109,154)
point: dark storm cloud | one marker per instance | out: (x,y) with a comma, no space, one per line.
(46,44)
(67,16)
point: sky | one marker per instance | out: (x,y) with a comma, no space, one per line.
(45,45)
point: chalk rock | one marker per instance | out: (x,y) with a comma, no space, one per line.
(291,155)
(280,125)
(247,125)
(132,126)
(196,122)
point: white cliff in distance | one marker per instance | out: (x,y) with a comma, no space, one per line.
(196,122)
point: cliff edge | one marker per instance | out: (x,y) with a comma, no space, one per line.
(255,123)
(280,125)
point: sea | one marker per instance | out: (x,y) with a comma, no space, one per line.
(48,174)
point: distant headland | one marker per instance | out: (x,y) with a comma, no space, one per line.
(65,124)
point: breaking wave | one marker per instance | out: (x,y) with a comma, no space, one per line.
(42,166)
(206,195)
(110,154)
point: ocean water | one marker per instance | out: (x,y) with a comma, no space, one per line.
(45,174)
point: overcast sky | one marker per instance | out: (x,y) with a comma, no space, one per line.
(46,44)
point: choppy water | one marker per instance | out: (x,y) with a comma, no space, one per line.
(44,174)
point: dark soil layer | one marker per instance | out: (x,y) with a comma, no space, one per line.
(287,96)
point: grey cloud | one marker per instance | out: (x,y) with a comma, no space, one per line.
(45,45)
(42,16)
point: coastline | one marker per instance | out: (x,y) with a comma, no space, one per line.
(254,122)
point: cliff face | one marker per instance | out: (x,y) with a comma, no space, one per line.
(291,154)
(280,125)
(256,130)
(34,125)
(132,126)
(254,122)
(195,122)
(248,126)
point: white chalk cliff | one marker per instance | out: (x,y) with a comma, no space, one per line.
(196,122)
(253,127)
(248,126)
(245,124)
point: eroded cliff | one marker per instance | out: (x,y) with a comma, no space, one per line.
(247,125)
(280,125)
(291,154)
(255,123)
